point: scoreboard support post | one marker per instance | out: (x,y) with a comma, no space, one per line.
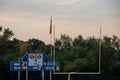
(42,75)
(50,74)
(26,74)
(18,74)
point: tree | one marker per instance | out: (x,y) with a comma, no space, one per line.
(5,43)
(78,41)
(116,46)
(35,44)
(108,60)
(24,47)
(74,55)
(7,34)
(66,41)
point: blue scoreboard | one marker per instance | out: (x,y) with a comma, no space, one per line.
(33,62)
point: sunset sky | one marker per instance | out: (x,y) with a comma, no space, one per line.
(31,18)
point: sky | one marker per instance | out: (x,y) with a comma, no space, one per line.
(31,18)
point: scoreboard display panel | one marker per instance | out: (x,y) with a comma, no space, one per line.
(35,59)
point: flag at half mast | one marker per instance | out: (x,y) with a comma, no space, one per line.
(51,25)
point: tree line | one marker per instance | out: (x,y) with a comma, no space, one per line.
(76,55)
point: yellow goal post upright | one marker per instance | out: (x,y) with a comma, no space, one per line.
(84,73)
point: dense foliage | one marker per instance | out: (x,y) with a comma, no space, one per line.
(78,54)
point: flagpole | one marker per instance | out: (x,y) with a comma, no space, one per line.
(51,59)
(51,49)
(51,46)
(51,39)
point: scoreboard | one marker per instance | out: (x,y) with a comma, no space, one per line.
(34,62)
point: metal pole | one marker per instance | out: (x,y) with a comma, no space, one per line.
(42,75)
(54,49)
(100,51)
(26,74)
(69,76)
(50,74)
(51,53)
(51,59)
(18,74)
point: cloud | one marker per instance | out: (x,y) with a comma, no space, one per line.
(74,14)
(67,2)
(7,19)
(60,8)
